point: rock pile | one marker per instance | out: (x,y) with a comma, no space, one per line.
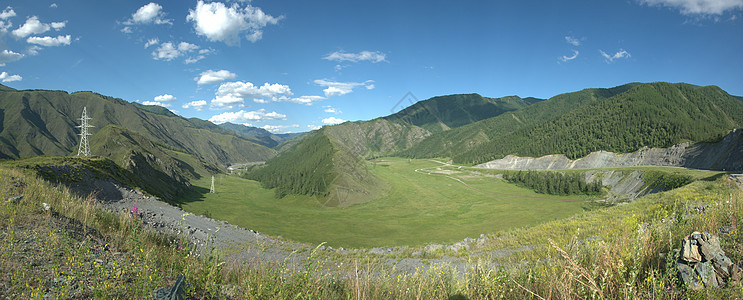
(703,264)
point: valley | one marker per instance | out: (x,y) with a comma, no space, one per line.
(450,189)
(417,209)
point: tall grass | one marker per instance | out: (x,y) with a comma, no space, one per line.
(628,251)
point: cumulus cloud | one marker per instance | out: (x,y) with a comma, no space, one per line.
(246,116)
(32,26)
(209,76)
(217,22)
(53,5)
(569,58)
(9,56)
(7,13)
(334,88)
(197,105)
(156,103)
(234,93)
(48,41)
(165,98)
(169,51)
(341,56)
(332,120)
(5,77)
(619,54)
(58,25)
(313,127)
(149,13)
(698,7)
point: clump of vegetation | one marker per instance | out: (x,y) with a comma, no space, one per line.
(554,183)
(665,180)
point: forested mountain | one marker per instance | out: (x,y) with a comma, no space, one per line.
(39,122)
(445,112)
(452,142)
(622,119)
(323,167)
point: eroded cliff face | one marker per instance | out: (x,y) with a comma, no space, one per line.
(725,155)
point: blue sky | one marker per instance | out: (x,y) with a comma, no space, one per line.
(292,66)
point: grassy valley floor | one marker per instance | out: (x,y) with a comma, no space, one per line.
(419,208)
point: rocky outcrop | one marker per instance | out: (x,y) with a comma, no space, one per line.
(703,264)
(725,155)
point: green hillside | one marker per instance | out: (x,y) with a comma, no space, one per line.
(38,122)
(445,112)
(323,167)
(619,119)
(449,143)
(654,115)
(158,167)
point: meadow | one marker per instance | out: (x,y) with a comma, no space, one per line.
(417,209)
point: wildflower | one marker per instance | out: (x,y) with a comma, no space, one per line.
(135,210)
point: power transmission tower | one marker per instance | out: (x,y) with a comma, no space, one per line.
(84,147)
(211,190)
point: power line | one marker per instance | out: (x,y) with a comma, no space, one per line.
(84,147)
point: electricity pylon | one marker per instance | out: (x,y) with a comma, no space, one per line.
(84,147)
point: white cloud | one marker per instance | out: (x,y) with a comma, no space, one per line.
(165,98)
(247,116)
(209,76)
(53,5)
(331,110)
(194,59)
(332,120)
(151,42)
(8,12)
(698,7)
(340,56)
(187,47)
(4,26)
(279,128)
(569,58)
(149,13)
(307,100)
(262,101)
(9,56)
(33,50)
(620,54)
(49,41)
(197,105)
(220,23)
(233,93)
(32,26)
(334,88)
(126,29)
(227,102)
(169,51)
(5,77)
(156,103)
(313,127)
(573,41)
(58,25)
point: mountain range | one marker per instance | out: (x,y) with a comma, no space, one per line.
(330,162)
